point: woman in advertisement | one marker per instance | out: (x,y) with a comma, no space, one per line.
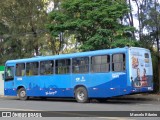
(144,79)
(137,80)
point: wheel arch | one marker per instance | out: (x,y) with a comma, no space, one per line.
(19,87)
(77,86)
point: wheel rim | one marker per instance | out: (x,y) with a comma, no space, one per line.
(22,94)
(81,95)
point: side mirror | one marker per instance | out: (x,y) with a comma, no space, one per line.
(3,76)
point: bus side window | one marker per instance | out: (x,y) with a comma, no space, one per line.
(118,62)
(62,66)
(32,68)
(80,65)
(20,69)
(100,63)
(46,67)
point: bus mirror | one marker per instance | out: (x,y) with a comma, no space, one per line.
(3,76)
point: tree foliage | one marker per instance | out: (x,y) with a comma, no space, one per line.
(148,16)
(24,23)
(95,24)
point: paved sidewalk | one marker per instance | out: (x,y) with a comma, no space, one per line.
(2,96)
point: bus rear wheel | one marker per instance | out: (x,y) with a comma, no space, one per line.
(22,94)
(81,95)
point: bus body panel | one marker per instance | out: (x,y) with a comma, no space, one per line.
(112,84)
(49,85)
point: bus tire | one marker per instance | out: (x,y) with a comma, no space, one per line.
(81,95)
(22,94)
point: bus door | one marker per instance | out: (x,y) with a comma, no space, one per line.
(9,79)
(141,69)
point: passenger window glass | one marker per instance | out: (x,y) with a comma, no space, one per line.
(100,63)
(32,68)
(46,67)
(9,73)
(80,65)
(20,69)
(118,62)
(63,66)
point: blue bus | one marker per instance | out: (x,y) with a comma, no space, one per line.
(95,74)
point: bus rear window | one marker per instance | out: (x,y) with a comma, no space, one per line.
(118,62)
(146,55)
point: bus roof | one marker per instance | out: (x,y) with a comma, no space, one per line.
(139,48)
(71,55)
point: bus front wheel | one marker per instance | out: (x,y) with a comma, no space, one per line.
(81,95)
(22,94)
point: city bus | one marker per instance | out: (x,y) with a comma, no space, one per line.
(96,74)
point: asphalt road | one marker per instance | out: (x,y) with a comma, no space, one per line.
(53,106)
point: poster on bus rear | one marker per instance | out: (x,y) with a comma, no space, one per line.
(141,72)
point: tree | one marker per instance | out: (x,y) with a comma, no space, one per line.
(148,15)
(95,24)
(154,29)
(25,21)
(3,29)
(129,17)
